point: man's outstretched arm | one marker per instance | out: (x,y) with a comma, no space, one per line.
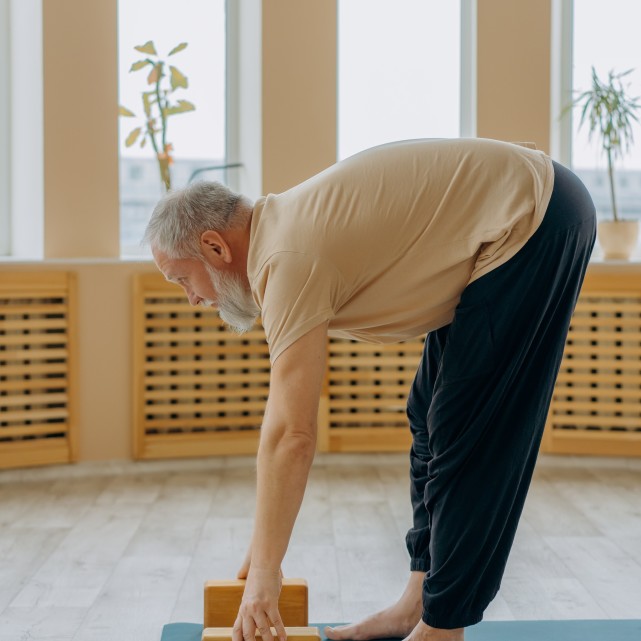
(285,455)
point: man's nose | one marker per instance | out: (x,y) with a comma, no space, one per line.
(193,298)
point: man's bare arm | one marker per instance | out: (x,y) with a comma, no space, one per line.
(287,445)
(285,454)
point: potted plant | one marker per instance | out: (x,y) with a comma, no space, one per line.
(609,111)
(157,106)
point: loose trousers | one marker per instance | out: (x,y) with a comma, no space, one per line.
(478,406)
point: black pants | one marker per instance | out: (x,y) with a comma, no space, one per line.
(478,405)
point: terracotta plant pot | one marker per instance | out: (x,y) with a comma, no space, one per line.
(618,239)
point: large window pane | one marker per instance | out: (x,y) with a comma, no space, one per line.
(399,67)
(606,36)
(197,137)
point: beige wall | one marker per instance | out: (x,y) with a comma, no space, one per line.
(298,91)
(299,139)
(513,70)
(104,366)
(80,128)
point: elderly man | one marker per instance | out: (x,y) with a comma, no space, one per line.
(481,244)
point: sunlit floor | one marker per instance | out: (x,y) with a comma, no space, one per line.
(114,551)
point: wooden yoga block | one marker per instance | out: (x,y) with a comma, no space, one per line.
(222,602)
(298,633)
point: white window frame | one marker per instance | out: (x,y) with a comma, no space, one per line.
(5,130)
(243,121)
(468,93)
(562,35)
(22,127)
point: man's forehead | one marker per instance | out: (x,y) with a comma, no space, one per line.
(172,267)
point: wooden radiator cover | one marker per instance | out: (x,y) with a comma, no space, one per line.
(37,368)
(596,408)
(201,389)
(367,388)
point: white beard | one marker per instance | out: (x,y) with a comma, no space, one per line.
(236,306)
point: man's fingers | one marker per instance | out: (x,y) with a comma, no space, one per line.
(237,630)
(262,625)
(249,629)
(277,622)
(244,568)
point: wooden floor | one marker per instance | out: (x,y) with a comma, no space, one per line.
(114,551)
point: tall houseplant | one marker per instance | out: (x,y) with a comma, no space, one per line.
(158,106)
(610,111)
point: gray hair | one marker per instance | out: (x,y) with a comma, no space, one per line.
(181,216)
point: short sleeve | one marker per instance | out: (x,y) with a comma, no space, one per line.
(296,292)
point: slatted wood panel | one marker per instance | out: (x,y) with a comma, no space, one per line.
(37,365)
(367,388)
(596,407)
(200,389)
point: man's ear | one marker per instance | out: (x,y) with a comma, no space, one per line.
(215,248)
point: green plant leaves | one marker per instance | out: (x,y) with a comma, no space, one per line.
(147,101)
(154,75)
(177,48)
(177,79)
(609,110)
(148,47)
(132,137)
(123,111)
(155,102)
(139,65)
(182,107)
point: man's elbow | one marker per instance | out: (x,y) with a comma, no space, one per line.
(297,441)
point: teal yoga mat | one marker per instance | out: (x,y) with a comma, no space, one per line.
(597,630)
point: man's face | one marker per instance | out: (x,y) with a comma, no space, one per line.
(209,287)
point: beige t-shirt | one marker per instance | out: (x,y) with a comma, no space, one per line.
(383,243)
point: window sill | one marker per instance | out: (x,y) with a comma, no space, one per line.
(124,260)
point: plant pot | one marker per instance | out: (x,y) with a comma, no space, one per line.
(618,239)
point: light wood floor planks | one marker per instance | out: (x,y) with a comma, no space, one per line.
(113,551)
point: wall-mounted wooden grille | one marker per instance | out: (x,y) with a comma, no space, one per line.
(37,364)
(200,389)
(596,407)
(367,389)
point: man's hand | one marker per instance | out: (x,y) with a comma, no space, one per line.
(259,607)
(244,568)
(285,455)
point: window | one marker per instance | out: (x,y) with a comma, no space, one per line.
(197,137)
(21,129)
(5,128)
(399,71)
(608,40)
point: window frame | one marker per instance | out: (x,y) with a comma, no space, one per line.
(561,80)
(22,126)
(5,128)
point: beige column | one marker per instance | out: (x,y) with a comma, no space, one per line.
(81,128)
(298,90)
(513,70)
